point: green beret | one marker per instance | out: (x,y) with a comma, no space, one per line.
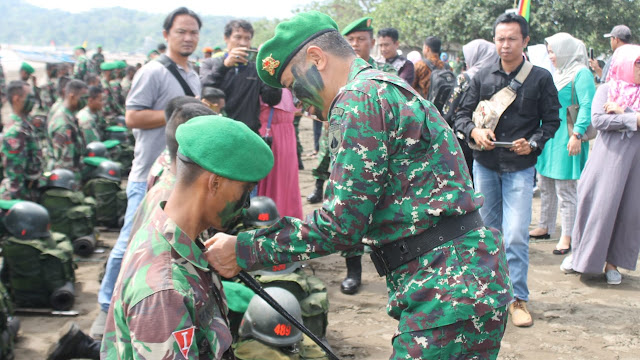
(120,64)
(110,144)
(98,46)
(28,68)
(8,204)
(94,161)
(225,147)
(290,36)
(108,65)
(362,24)
(79,47)
(116,128)
(153,51)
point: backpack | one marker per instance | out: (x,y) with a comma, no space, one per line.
(71,212)
(111,201)
(39,272)
(441,86)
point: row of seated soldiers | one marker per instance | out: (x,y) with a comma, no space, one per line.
(38,271)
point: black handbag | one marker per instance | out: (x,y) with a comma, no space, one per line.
(572,116)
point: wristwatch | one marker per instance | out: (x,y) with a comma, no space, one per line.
(578,136)
(533,145)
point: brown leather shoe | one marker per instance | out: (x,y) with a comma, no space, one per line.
(519,314)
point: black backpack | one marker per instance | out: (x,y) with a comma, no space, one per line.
(441,86)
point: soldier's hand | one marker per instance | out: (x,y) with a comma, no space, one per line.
(221,254)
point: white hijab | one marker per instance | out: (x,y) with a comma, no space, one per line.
(571,56)
(478,54)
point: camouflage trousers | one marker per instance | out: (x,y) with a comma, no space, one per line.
(323,170)
(357,250)
(476,338)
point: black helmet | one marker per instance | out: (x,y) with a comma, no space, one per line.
(261,213)
(108,170)
(96,149)
(266,325)
(62,178)
(27,220)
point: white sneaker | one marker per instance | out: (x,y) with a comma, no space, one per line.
(567,265)
(613,277)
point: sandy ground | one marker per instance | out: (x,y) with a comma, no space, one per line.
(576,317)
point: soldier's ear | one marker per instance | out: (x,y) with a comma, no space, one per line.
(213,183)
(317,56)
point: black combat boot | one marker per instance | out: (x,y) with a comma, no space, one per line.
(73,343)
(351,283)
(316,196)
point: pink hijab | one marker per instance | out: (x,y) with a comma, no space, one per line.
(622,88)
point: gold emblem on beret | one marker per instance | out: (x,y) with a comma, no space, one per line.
(368,22)
(269,64)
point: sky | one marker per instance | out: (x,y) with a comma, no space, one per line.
(242,8)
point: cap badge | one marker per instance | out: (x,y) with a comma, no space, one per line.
(269,64)
(368,22)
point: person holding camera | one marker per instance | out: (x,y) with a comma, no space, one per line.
(235,74)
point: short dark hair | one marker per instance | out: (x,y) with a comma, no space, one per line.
(90,77)
(62,85)
(50,66)
(162,47)
(168,21)
(94,91)
(176,103)
(179,117)
(434,44)
(16,87)
(212,94)
(188,172)
(389,32)
(507,18)
(74,87)
(235,24)
(131,69)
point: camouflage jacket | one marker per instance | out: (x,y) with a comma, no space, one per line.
(82,66)
(22,160)
(166,303)
(159,167)
(397,171)
(112,107)
(126,86)
(154,196)
(67,143)
(382,66)
(88,124)
(3,87)
(48,95)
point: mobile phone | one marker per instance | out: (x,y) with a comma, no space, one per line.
(252,55)
(505,144)
(591,53)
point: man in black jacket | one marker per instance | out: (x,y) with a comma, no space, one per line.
(235,74)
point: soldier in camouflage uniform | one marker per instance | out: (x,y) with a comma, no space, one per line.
(90,117)
(188,316)
(161,188)
(397,173)
(83,65)
(67,142)
(126,82)
(21,154)
(3,91)
(112,107)
(48,92)
(98,58)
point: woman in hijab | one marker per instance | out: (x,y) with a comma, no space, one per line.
(564,156)
(477,54)
(607,228)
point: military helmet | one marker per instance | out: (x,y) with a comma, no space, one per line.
(62,178)
(262,212)
(279,269)
(27,220)
(266,325)
(96,148)
(120,121)
(108,170)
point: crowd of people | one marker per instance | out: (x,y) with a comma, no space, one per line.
(427,164)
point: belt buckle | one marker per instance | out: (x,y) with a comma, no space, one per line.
(378,261)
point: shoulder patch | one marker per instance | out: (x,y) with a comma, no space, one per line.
(184,338)
(335,137)
(337,111)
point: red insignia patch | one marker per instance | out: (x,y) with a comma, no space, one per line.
(269,64)
(263,217)
(184,338)
(13,143)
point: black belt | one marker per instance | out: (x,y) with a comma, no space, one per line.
(391,256)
